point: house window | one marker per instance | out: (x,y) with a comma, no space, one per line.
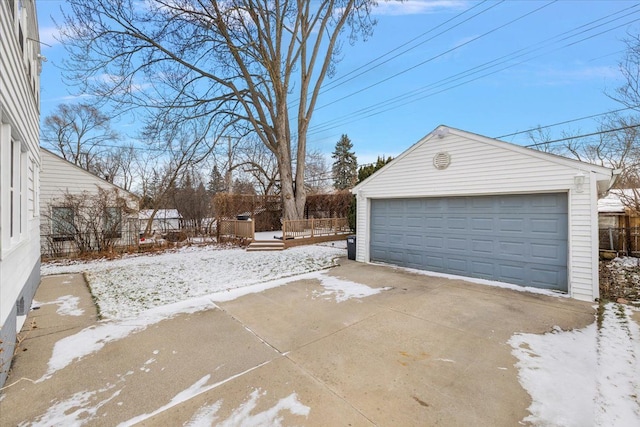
(16,181)
(113,223)
(31,189)
(62,223)
(12,188)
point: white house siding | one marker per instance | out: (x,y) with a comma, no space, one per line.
(59,177)
(19,126)
(482,166)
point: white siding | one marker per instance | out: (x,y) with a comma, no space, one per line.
(59,177)
(480,166)
(19,124)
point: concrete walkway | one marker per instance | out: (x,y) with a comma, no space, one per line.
(427,351)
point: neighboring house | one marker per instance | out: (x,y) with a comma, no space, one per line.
(81,212)
(619,221)
(20,65)
(466,205)
(611,210)
(164,221)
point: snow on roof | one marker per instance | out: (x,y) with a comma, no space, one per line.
(161,214)
(612,202)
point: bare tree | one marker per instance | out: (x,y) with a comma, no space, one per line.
(629,92)
(255,160)
(318,172)
(192,200)
(161,173)
(616,145)
(80,133)
(235,63)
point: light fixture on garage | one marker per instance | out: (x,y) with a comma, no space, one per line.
(441,132)
(442,160)
(578,180)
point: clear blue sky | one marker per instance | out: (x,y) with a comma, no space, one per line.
(553,62)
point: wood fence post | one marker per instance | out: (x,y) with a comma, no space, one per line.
(312,227)
(628,234)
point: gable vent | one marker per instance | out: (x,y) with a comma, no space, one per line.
(442,160)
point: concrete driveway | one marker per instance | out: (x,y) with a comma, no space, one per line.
(427,351)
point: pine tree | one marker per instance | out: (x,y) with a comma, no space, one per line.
(367,170)
(345,166)
(216,182)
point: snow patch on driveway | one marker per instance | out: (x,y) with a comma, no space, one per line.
(93,338)
(342,290)
(583,377)
(67,305)
(242,415)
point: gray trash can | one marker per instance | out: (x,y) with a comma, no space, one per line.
(351,247)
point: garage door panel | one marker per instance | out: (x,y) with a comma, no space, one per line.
(455,244)
(453,203)
(456,224)
(518,239)
(415,222)
(512,273)
(482,246)
(483,269)
(545,251)
(546,226)
(541,277)
(456,265)
(481,224)
(414,240)
(434,242)
(515,248)
(414,259)
(434,262)
(550,201)
(511,224)
(433,222)
(507,202)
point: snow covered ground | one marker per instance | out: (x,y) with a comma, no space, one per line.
(125,287)
(585,377)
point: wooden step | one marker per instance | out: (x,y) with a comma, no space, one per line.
(265,245)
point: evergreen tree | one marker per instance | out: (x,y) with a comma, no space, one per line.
(216,182)
(367,170)
(345,166)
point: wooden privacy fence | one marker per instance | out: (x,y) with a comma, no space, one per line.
(620,240)
(236,229)
(308,228)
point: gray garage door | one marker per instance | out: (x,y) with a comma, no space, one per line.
(520,239)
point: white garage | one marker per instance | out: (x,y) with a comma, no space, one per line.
(466,205)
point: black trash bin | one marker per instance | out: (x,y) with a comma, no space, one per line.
(351,247)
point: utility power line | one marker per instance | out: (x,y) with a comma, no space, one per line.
(433,58)
(368,66)
(568,121)
(414,96)
(568,138)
